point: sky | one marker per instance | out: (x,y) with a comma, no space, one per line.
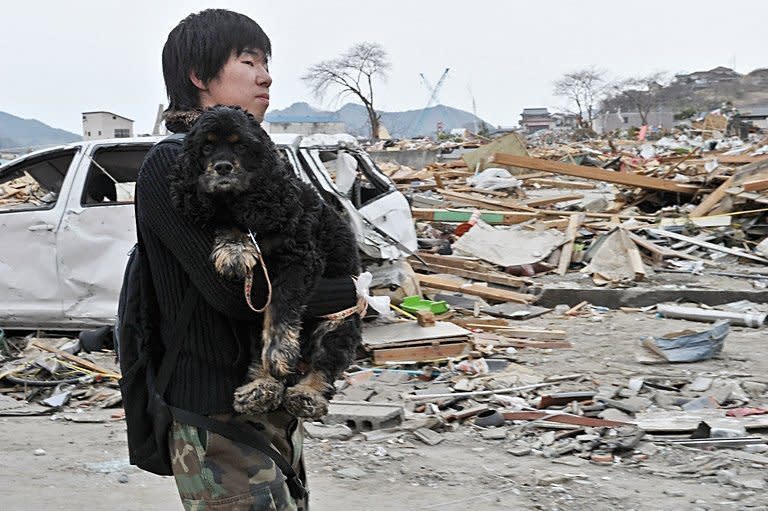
(63,58)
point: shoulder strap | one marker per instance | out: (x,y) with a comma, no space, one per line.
(248,437)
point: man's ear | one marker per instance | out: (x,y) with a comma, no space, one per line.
(196,81)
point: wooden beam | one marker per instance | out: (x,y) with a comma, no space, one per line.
(481,201)
(495,278)
(539,334)
(490,293)
(711,200)
(545,201)
(755,186)
(635,261)
(621,178)
(706,244)
(567,250)
(561,183)
(463,215)
(435,351)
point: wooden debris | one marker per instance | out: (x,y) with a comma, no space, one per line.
(486,292)
(622,178)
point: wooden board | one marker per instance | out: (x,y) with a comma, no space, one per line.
(459,215)
(484,202)
(408,331)
(474,289)
(419,353)
(567,250)
(495,278)
(711,200)
(622,178)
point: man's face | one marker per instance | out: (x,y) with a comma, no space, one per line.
(243,81)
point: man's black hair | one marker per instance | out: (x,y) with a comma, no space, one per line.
(203,42)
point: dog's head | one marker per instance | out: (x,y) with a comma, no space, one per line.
(227,145)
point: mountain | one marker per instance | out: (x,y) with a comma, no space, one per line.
(408,124)
(16,132)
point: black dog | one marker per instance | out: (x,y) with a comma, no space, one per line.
(230,176)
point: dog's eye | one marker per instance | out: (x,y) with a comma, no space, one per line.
(207,149)
(240,148)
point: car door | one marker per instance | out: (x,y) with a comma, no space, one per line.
(33,192)
(97,232)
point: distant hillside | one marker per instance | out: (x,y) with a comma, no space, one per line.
(407,124)
(16,132)
(704,90)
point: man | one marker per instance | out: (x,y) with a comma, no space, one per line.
(215,57)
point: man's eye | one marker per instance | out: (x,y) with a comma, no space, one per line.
(249,62)
(207,149)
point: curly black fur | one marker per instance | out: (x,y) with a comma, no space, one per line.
(229,176)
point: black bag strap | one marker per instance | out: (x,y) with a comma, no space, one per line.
(248,437)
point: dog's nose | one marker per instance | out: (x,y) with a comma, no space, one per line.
(223,167)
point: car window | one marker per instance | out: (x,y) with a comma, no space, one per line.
(352,176)
(112,174)
(34,183)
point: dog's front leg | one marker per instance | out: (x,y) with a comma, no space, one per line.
(282,320)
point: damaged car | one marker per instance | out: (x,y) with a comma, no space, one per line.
(67,218)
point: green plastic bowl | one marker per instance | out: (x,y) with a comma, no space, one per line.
(414,304)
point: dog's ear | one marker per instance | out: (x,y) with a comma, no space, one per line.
(185,190)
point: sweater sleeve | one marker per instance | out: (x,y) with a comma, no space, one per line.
(191,245)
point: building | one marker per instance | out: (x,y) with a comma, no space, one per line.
(536,119)
(326,123)
(757,115)
(98,125)
(612,121)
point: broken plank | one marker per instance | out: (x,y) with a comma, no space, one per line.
(524,333)
(504,280)
(479,201)
(622,178)
(459,215)
(663,251)
(486,292)
(545,201)
(711,200)
(706,244)
(479,321)
(420,353)
(86,364)
(567,251)
(635,261)
(561,183)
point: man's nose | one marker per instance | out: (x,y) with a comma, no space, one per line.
(263,78)
(223,167)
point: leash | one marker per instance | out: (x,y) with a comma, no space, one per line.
(249,277)
(360,308)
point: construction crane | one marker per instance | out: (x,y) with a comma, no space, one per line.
(432,96)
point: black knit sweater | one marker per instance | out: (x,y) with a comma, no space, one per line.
(215,350)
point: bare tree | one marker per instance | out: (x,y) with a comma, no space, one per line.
(352,73)
(642,93)
(583,88)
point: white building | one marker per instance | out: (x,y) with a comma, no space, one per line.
(97,125)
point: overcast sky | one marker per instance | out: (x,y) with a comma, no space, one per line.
(62,58)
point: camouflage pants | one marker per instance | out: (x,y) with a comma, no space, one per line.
(215,473)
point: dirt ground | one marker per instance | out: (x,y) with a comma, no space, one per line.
(84,465)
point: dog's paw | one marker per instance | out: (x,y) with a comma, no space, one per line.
(305,402)
(259,396)
(234,259)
